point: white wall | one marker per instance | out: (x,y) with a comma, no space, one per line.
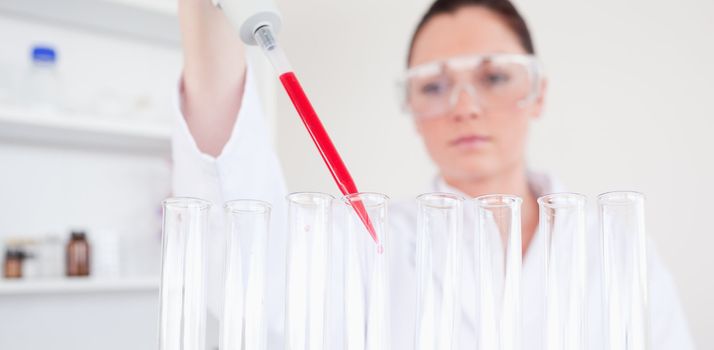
(629,107)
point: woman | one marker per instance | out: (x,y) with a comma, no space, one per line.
(473,87)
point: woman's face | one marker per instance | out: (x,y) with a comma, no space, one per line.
(469,142)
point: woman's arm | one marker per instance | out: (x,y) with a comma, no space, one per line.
(222,149)
(213,74)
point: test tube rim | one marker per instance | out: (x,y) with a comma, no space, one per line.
(346,199)
(513,200)
(230,206)
(629,197)
(579,200)
(290,197)
(181,202)
(422,198)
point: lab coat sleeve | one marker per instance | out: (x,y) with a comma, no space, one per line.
(247,168)
(668,324)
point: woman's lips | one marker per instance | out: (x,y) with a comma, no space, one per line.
(470,141)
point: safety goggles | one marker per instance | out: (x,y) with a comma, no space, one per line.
(496,81)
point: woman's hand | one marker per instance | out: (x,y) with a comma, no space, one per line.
(213,74)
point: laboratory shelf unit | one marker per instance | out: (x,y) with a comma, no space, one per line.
(77,285)
(83,131)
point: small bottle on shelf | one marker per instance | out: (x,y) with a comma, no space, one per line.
(42,83)
(13,263)
(78,254)
(31,258)
(52,256)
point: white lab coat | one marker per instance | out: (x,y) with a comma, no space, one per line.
(248,168)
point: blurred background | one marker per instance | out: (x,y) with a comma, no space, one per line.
(628,107)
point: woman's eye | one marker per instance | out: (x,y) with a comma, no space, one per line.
(496,78)
(433,88)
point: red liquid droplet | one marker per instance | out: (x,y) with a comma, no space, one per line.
(324,144)
(380,249)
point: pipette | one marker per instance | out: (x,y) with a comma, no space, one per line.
(256,21)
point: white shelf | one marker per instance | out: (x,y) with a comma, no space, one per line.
(25,126)
(77,285)
(153,20)
(166,7)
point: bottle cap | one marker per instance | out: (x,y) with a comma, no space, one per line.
(44,54)
(14,254)
(78,235)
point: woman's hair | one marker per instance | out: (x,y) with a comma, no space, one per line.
(504,8)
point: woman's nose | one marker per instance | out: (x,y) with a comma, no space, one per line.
(465,104)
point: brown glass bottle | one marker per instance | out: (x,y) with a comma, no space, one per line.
(78,255)
(13,264)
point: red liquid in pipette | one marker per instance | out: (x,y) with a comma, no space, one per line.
(327,149)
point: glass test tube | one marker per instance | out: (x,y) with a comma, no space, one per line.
(366,289)
(498,267)
(562,222)
(308,253)
(182,320)
(244,324)
(622,221)
(438,266)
